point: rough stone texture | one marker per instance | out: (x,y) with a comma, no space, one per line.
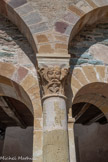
(52,10)
(14,47)
(55,146)
(90,46)
(59,16)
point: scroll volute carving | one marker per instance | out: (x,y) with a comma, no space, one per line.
(52,79)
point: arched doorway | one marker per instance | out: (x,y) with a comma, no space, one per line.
(91,123)
(16,122)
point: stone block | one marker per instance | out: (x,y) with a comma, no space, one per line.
(22,72)
(34,91)
(76,10)
(69,30)
(28,82)
(32,18)
(37,140)
(37,124)
(25,9)
(46,49)
(16,3)
(36,28)
(71,18)
(7,69)
(91,3)
(37,108)
(101,72)
(90,73)
(61,46)
(77,72)
(75,83)
(61,27)
(42,38)
(61,38)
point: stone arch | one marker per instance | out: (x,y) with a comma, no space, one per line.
(89,45)
(95,94)
(28,20)
(82,76)
(86,74)
(16,115)
(89,18)
(23,77)
(89,108)
(25,83)
(76,16)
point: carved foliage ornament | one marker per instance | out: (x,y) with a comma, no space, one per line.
(53,79)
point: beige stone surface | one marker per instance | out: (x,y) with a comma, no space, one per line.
(75,83)
(99,52)
(55,146)
(77,72)
(6,69)
(90,73)
(101,72)
(46,49)
(28,82)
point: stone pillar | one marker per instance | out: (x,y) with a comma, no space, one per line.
(71,122)
(55,129)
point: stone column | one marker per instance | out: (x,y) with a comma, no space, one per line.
(55,129)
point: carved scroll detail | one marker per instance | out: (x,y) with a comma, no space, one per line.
(53,79)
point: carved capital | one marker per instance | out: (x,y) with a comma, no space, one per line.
(52,80)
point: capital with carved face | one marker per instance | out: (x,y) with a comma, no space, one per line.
(52,80)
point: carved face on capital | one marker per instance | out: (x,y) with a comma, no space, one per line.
(54,74)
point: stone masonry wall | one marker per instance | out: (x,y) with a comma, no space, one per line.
(14,47)
(90,46)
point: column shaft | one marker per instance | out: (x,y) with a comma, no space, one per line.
(55,136)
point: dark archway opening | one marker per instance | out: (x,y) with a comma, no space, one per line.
(91,132)
(16,130)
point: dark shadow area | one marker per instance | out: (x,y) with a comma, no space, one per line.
(91,142)
(11,40)
(90,131)
(16,131)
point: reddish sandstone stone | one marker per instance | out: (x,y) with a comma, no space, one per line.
(61,27)
(22,72)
